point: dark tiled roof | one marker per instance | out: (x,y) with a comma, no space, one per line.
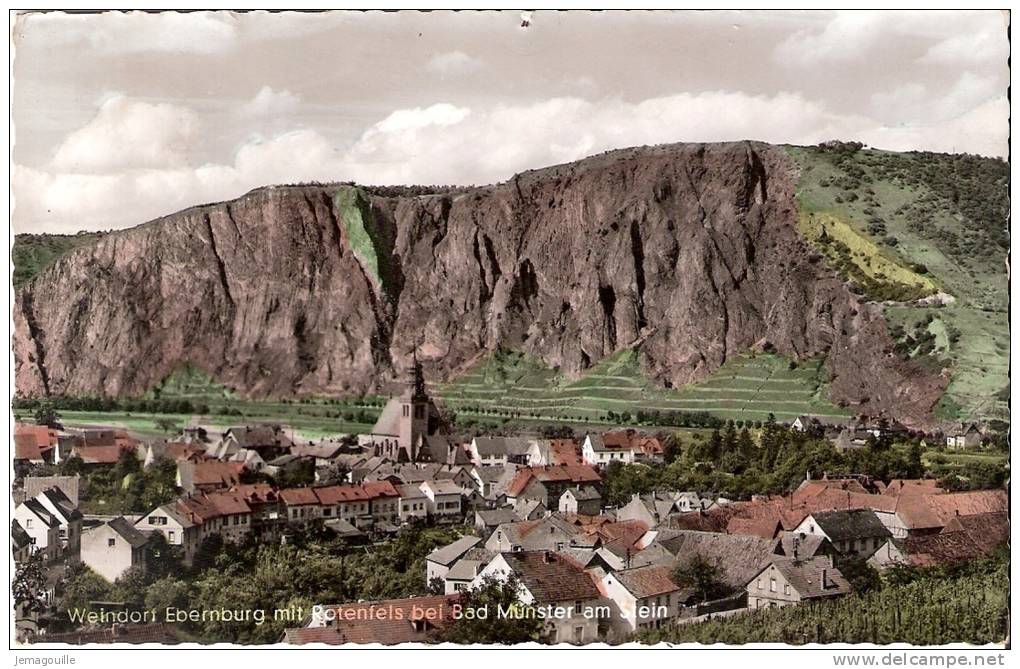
(552,577)
(805,576)
(848,525)
(127,531)
(647,581)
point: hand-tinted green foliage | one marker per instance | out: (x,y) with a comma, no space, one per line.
(493,628)
(124,487)
(735,464)
(969,606)
(311,568)
(702,576)
(33,253)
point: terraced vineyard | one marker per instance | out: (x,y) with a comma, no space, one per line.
(746,388)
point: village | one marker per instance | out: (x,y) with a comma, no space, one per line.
(529,511)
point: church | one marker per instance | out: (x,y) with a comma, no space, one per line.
(408,429)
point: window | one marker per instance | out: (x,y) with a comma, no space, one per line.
(759,584)
(28,524)
(772,585)
(111,542)
(171,535)
(786,588)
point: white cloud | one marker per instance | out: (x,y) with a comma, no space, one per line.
(441,144)
(130,134)
(453,63)
(268,102)
(960,37)
(980,47)
(134,32)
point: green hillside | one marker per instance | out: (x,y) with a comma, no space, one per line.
(32,254)
(914,224)
(748,387)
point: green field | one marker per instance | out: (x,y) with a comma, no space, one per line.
(934,217)
(748,387)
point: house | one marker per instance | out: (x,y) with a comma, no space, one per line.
(444,500)
(549,579)
(324,454)
(103,446)
(114,547)
(548,483)
(652,509)
(42,527)
(462,574)
(413,502)
(544,452)
(966,436)
(963,539)
(929,514)
(207,475)
(803,546)
(386,622)
(69,485)
(625,446)
(551,533)
(223,512)
(349,502)
(792,581)
(439,561)
(586,501)
(487,520)
(807,423)
(530,509)
(383,501)
(738,557)
(301,505)
(175,526)
(68,516)
(643,598)
(21,543)
(488,451)
(269,441)
(36,444)
(857,531)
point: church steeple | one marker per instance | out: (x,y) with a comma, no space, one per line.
(417,379)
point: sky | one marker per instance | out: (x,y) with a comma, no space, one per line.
(120,118)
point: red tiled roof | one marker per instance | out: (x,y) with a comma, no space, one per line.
(101,455)
(576,474)
(766,528)
(214,472)
(298,496)
(43,436)
(386,622)
(564,452)
(377,489)
(335,494)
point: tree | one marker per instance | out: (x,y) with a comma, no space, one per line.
(167,425)
(481,623)
(29,585)
(701,575)
(46,414)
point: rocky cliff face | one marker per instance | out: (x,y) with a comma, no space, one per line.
(687,251)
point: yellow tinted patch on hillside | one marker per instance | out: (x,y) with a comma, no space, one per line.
(823,228)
